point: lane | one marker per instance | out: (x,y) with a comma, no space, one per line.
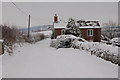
(41,61)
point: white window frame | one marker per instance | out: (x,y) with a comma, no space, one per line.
(90,32)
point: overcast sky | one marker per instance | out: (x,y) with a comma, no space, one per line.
(44,12)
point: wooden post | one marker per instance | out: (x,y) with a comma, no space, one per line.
(29,27)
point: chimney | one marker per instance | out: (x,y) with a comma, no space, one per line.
(55,18)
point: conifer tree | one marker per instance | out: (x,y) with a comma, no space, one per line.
(71,28)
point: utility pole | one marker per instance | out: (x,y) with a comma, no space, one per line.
(29,27)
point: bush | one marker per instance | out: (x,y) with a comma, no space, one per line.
(95,49)
(53,36)
(10,35)
(64,41)
(34,38)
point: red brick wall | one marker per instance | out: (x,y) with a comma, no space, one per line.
(96,35)
(57,32)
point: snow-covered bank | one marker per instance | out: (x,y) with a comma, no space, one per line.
(33,38)
(41,61)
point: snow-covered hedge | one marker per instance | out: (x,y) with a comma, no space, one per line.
(34,37)
(104,51)
(60,43)
(37,36)
(115,41)
(64,41)
(9,49)
(97,46)
(46,33)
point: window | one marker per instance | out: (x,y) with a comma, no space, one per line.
(62,31)
(90,32)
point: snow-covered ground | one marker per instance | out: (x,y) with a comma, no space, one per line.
(46,33)
(39,60)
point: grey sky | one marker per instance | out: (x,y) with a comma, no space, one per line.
(44,12)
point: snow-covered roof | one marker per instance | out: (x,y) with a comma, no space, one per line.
(89,23)
(60,25)
(1,40)
(89,27)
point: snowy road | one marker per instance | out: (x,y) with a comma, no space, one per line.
(39,60)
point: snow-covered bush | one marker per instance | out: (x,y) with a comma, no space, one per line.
(8,49)
(65,41)
(35,38)
(72,28)
(115,41)
(54,43)
(60,43)
(104,51)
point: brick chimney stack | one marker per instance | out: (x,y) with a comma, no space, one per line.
(55,18)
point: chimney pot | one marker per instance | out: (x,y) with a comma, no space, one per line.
(55,18)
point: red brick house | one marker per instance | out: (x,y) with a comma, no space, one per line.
(90,30)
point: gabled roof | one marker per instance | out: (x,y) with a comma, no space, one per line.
(83,23)
(82,27)
(62,25)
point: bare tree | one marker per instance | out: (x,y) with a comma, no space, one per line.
(110,29)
